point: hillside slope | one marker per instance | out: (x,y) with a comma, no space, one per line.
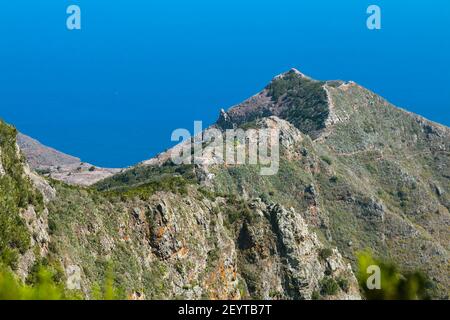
(361,172)
(167,239)
(355,173)
(60,166)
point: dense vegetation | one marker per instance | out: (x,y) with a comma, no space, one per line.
(16,193)
(304,101)
(144,176)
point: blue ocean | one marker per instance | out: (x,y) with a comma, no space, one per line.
(112,92)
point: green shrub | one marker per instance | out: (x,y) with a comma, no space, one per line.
(343,284)
(327,160)
(334,179)
(107,291)
(43,172)
(328,286)
(307,101)
(175,184)
(315,295)
(238,210)
(141,175)
(207,193)
(46,283)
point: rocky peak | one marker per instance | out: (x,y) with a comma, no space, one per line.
(291,96)
(292,71)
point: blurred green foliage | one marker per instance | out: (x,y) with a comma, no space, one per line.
(43,288)
(44,283)
(395,285)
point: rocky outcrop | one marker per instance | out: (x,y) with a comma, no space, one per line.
(191,246)
(2,171)
(279,245)
(37,225)
(291,96)
(73,274)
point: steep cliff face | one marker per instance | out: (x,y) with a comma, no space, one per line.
(191,244)
(23,224)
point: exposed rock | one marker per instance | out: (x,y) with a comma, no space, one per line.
(300,248)
(224,120)
(26,261)
(439,191)
(37,224)
(73,274)
(2,171)
(41,184)
(137,296)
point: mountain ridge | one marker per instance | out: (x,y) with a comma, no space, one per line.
(355,173)
(41,157)
(373,166)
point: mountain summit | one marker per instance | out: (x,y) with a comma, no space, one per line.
(310,105)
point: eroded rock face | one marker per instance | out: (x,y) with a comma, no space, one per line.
(47,191)
(36,222)
(193,247)
(73,274)
(37,225)
(2,171)
(279,246)
(189,238)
